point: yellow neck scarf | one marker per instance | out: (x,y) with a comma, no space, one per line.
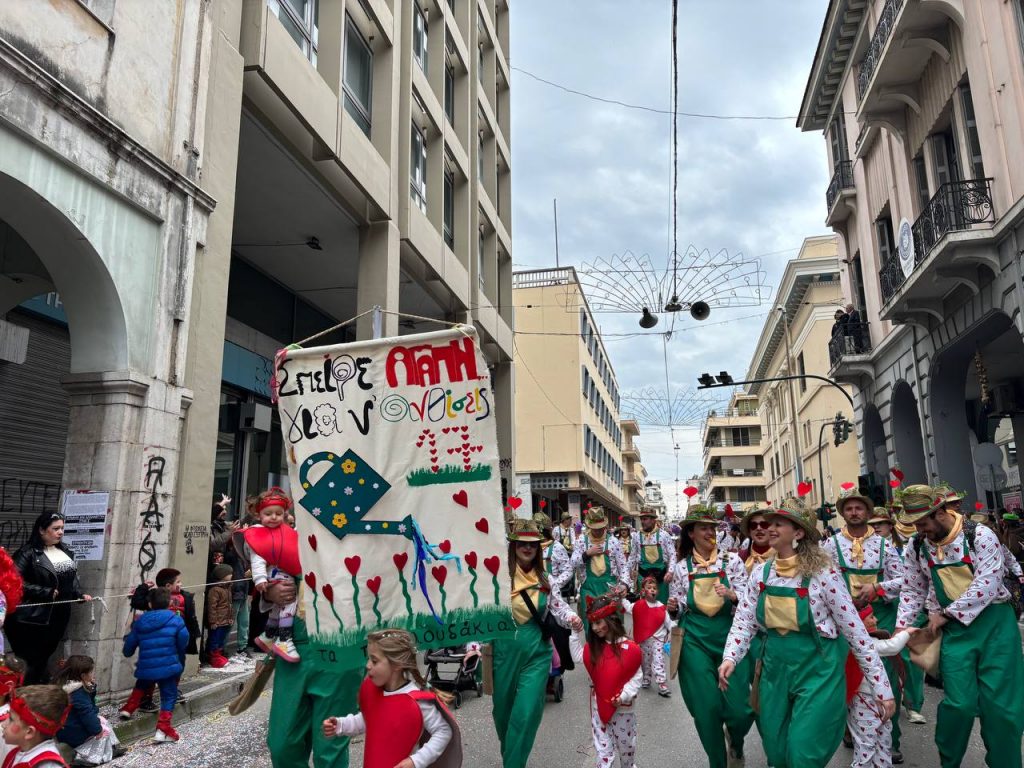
(857,551)
(786,566)
(710,563)
(521,582)
(954,534)
(759,558)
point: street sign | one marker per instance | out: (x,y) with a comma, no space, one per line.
(905,247)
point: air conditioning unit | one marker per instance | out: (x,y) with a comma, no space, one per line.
(1004,399)
(254,417)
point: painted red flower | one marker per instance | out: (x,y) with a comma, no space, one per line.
(440,573)
(471,560)
(400,560)
(353,563)
(373,584)
(492,564)
(311,580)
(328,591)
(312,541)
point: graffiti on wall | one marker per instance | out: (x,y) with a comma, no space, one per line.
(21,501)
(152,517)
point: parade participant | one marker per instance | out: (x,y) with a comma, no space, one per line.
(521,663)
(37,713)
(708,583)
(565,534)
(800,604)
(953,498)
(273,543)
(598,560)
(625,534)
(556,559)
(654,552)
(614,664)
(727,540)
(873,572)
(651,628)
(406,724)
(872,738)
(754,527)
(954,569)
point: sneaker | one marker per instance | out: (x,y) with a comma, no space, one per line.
(645,684)
(916,717)
(285,649)
(265,643)
(148,705)
(897,757)
(165,732)
(664,692)
(124,714)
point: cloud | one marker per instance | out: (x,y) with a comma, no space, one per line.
(755,187)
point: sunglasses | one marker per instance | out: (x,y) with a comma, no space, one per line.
(764,525)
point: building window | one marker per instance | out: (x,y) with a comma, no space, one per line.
(449,92)
(803,371)
(921,179)
(858,277)
(418,168)
(480,259)
(971,129)
(947,157)
(886,243)
(300,19)
(449,208)
(358,81)
(419,36)
(837,140)
(480,157)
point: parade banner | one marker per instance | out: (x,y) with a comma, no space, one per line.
(393,465)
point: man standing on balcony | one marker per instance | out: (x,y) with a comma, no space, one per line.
(653,553)
(854,329)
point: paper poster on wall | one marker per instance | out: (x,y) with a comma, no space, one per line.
(85,522)
(393,461)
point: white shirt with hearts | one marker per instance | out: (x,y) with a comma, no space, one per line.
(892,568)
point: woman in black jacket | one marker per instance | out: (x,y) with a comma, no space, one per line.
(50,575)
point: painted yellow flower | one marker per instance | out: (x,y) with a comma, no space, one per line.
(348,466)
(340,521)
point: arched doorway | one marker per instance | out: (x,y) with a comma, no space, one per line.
(876,455)
(906,434)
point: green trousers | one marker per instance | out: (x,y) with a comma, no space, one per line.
(303,698)
(982,672)
(521,668)
(802,699)
(709,707)
(913,688)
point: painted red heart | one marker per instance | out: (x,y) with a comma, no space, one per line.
(847,486)
(373,584)
(898,474)
(471,560)
(433,443)
(461,498)
(446,430)
(542,503)
(312,541)
(689,491)
(419,444)
(803,488)
(978,505)
(311,580)
(464,429)
(482,525)
(328,591)
(440,573)
(353,563)
(894,483)
(491,564)
(515,502)
(445,546)
(435,469)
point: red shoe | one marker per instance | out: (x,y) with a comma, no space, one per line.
(132,704)
(164,730)
(218,659)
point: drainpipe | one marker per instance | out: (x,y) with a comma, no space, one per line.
(928,467)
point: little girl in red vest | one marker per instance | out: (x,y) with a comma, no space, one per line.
(406,725)
(651,628)
(613,662)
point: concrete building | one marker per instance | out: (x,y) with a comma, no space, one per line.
(569,442)
(654,499)
(922,108)
(733,460)
(634,474)
(189,186)
(796,341)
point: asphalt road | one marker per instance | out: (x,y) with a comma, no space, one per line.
(667,737)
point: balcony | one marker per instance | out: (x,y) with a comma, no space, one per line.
(960,215)
(736,473)
(631,480)
(879,38)
(849,352)
(631,452)
(840,194)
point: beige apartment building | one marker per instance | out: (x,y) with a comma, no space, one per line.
(797,416)
(921,104)
(569,437)
(187,187)
(634,474)
(733,460)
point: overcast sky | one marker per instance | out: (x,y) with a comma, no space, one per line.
(750,186)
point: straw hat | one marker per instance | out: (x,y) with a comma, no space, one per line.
(797,513)
(541,520)
(854,494)
(596,518)
(567,516)
(880,515)
(698,513)
(751,511)
(920,501)
(949,493)
(525,530)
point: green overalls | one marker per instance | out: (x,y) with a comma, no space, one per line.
(651,558)
(913,685)
(521,667)
(982,673)
(706,622)
(885,616)
(803,681)
(600,578)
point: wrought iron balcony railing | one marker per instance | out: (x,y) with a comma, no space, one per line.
(841,179)
(957,206)
(850,339)
(736,472)
(886,22)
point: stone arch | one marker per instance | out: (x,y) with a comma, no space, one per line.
(69,264)
(905,425)
(873,445)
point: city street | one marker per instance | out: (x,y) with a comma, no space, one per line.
(667,737)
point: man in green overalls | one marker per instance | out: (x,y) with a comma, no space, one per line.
(600,565)
(653,553)
(960,564)
(873,572)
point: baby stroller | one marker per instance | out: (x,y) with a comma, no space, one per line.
(466,677)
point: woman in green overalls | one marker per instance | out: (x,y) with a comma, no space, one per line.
(802,683)
(600,565)
(522,664)
(706,585)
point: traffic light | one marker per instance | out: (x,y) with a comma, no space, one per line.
(840,429)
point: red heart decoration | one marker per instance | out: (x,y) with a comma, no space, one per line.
(435,469)
(400,560)
(803,488)
(464,429)
(491,564)
(515,502)
(471,560)
(352,563)
(689,491)
(978,505)
(847,486)
(461,498)
(328,591)
(894,483)
(446,430)
(311,580)
(482,525)
(419,444)
(542,503)
(898,474)
(373,584)
(728,509)
(312,541)
(445,546)
(440,573)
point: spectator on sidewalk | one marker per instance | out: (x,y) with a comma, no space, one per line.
(219,613)
(240,585)
(91,736)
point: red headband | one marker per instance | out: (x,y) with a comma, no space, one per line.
(42,724)
(600,613)
(650,579)
(276,498)
(9,680)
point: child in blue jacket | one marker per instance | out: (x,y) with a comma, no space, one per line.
(85,729)
(161,637)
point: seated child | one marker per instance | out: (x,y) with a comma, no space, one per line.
(651,628)
(37,713)
(91,736)
(396,712)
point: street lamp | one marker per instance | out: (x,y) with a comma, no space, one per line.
(647,320)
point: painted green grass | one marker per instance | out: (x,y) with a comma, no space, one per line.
(449,473)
